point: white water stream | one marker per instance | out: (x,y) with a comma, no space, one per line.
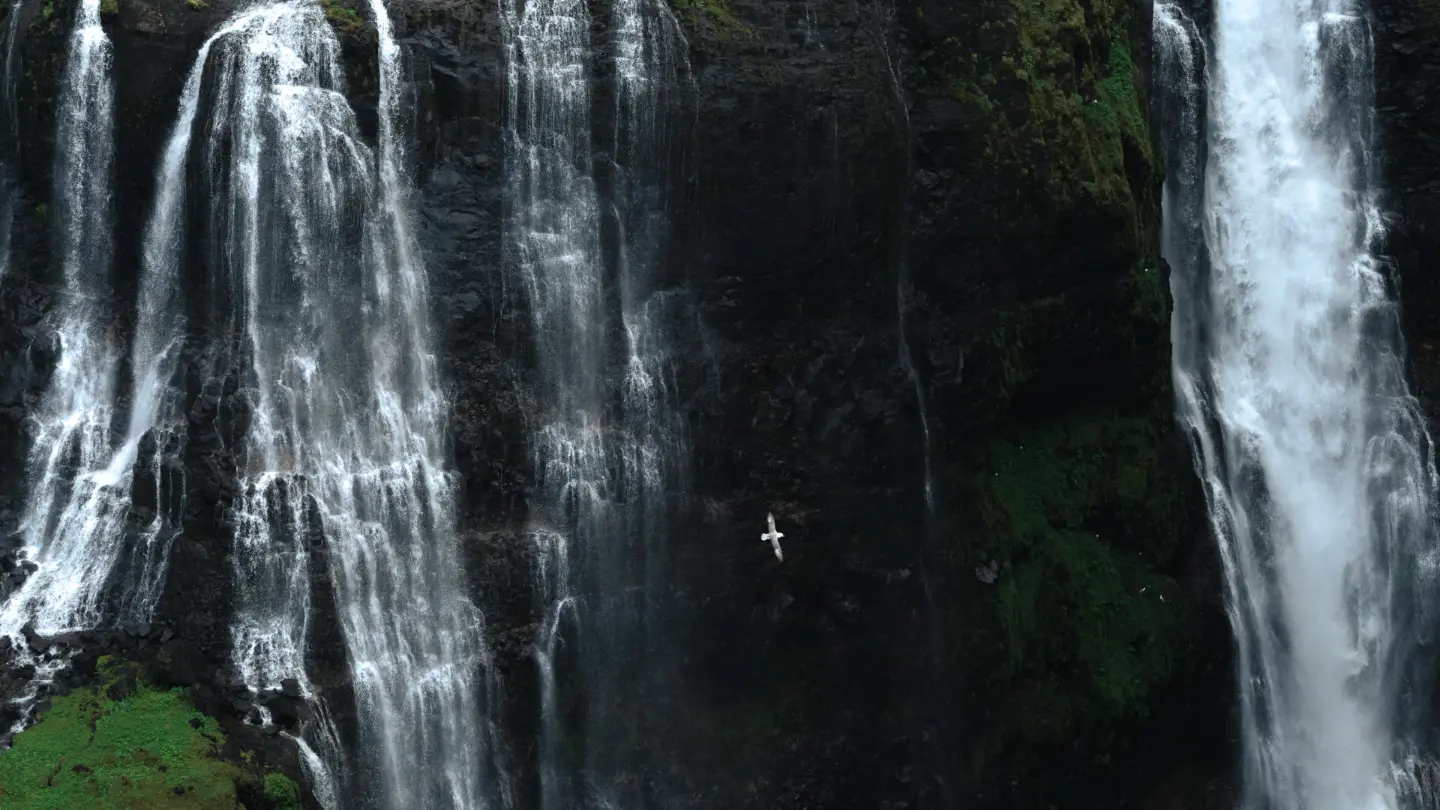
(1290,375)
(607,466)
(72,525)
(319,278)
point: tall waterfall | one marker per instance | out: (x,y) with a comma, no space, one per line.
(77,500)
(635,628)
(651,60)
(1289,370)
(607,462)
(343,459)
(554,246)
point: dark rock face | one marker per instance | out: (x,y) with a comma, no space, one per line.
(1406,63)
(1406,59)
(910,265)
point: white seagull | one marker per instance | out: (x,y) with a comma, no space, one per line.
(773,536)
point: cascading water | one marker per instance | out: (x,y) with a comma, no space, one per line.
(554,246)
(607,469)
(418,630)
(77,503)
(631,624)
(344,453)
(651,57)
(1289,372)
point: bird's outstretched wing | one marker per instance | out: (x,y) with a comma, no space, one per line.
(772,536)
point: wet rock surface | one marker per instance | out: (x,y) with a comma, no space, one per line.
(848,181)
(1407,61)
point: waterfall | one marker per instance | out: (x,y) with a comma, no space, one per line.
(71,526)
(554,246)
(936,735)
(651,53)
(608,463)
(9,127)
(903,293)
(316,278)
(1289,371)
(423,636)
(634,628)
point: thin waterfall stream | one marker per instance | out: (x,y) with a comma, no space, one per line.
(630,568)
(608,466)
(72,517)
(1289,372)
(555,249)
(105,503)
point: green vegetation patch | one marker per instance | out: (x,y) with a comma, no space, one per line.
(716,23)
(1118,102)
(1053,87)
(1082,514)
(281,792)
(151,749)
(1149,293)
(345,20)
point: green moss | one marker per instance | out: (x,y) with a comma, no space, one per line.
(1053,87)
(42,210)
(109,7)
(281,792)
(1149,293)
(345,20)
(1081,514)
(150,750)
(197,5)
(1117,91)
(715,22)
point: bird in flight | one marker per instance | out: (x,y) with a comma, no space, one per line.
(773,536)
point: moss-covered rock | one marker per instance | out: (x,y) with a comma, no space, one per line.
(345,19)
(126,744)
(1036,251)
(1055,88)
(716,23)
(1078,513)
(281,792)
